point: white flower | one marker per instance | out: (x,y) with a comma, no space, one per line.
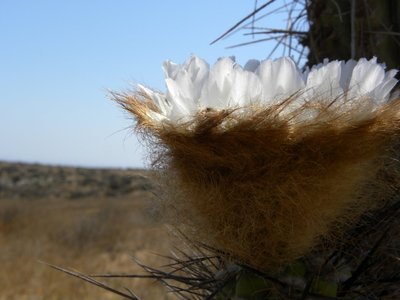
(193,86)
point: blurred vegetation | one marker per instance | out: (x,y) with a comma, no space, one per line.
(34,181)
(94,220)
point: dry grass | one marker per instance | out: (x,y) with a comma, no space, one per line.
(90,235)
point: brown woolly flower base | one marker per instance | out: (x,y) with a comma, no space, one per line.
(265,187)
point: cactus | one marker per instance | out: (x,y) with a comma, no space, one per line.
(372,29)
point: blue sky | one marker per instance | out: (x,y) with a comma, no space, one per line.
(58,59)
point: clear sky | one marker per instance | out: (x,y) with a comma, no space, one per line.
(58,59)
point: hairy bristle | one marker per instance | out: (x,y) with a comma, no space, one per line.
(266,187)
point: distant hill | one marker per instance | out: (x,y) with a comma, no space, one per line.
(32,181)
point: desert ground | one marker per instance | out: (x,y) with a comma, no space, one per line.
(95,221)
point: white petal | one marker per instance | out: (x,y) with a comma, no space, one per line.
(246,88)
(185,87)
(391,73)
(346,73)
(382,92)
(159,99)
(279,79)
(179,107)
(289,77)
(170,69)
(324,82)
(156,116)
(366,76)
(253,89)
(198,71)
(222,73)
(265,73)
(238,86)
(217,89)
